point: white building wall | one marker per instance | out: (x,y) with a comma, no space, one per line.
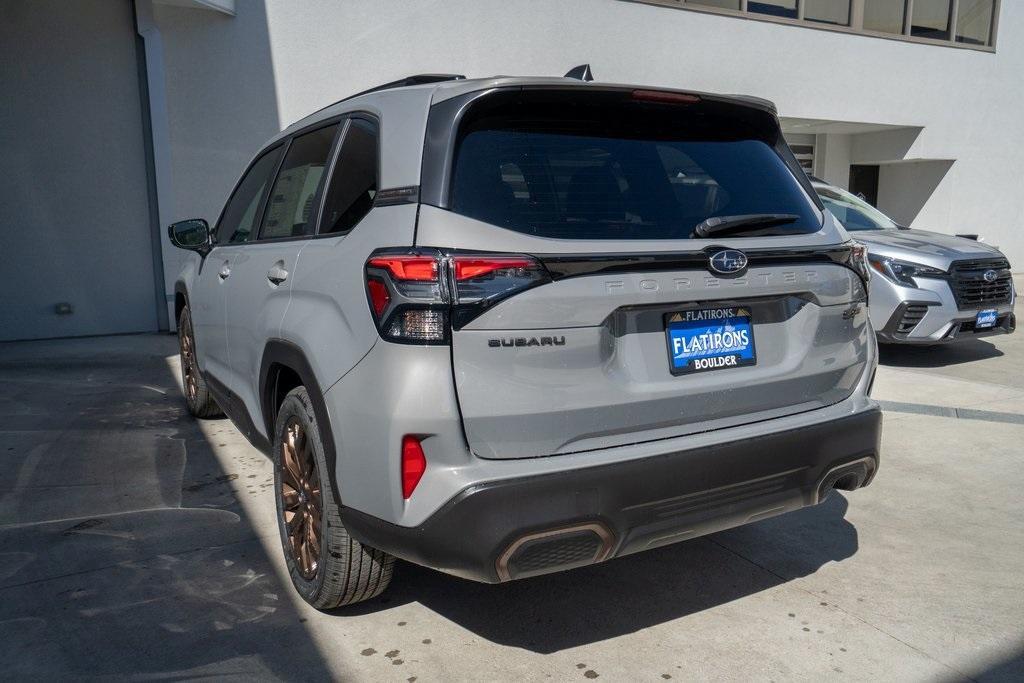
(832,158)
(280,61)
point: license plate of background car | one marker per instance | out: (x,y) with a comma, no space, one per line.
(985,319)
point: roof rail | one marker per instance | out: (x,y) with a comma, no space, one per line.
(416,79)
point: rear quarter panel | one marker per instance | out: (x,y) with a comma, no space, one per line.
(328,316)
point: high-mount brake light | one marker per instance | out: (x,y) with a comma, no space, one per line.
(665,97)
(418,297)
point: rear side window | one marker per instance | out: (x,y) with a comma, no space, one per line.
(609,167)
(354,181)
(290,207)
(238,222)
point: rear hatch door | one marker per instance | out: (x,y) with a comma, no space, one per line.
(631,335)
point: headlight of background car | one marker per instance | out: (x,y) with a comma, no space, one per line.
(859,262)
(901,272)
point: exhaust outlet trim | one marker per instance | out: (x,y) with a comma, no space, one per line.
(606,540)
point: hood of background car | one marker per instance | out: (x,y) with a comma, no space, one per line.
(921,246)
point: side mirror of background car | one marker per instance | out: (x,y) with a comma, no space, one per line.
(192,234)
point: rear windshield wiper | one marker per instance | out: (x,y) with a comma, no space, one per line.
(721,225)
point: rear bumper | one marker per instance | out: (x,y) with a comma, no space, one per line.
(514,528)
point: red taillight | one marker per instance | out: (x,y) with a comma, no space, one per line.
(415,268)
(665,97)
(418,297)
(467,267)
(414,464)
(379,297)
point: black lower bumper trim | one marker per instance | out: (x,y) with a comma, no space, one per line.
(641,503)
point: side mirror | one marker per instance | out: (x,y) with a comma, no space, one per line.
(193,234)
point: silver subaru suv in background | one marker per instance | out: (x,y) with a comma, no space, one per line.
(927,288)
(510,326)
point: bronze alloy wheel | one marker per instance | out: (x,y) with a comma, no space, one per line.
(189,369)
(300,499)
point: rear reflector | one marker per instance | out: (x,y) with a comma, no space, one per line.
(414,464)
(665,97)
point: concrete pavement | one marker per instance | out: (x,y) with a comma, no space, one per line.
(138,543)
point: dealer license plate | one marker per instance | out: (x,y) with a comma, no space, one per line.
(709,339)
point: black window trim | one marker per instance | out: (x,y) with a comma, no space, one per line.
(348,116)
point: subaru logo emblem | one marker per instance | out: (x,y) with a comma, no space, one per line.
(728,262)
(989,275)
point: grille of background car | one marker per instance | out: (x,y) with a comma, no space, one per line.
(972,290)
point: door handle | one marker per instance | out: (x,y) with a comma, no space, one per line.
(224,271)
(277,274)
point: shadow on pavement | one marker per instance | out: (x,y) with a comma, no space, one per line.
(1008,669)
(938,356)
(559,611)
(124,550)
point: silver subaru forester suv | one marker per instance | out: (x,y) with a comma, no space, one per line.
(510,326)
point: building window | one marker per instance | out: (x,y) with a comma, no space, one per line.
(963,23)
(885,16)
(721,4)
(779,8)
(828,11)
(974,22)
(930,19)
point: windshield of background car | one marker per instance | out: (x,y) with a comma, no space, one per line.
(853,212)
(607,166)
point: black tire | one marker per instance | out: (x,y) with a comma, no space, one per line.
(197,394)
(346,571)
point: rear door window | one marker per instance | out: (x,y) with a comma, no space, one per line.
(290,211)
(612,169)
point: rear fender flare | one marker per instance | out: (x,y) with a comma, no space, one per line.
(291,356)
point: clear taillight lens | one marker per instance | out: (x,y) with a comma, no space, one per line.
(418,324)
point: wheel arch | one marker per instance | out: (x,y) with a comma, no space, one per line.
(283,367)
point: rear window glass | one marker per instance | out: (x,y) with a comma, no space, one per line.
(614,169)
